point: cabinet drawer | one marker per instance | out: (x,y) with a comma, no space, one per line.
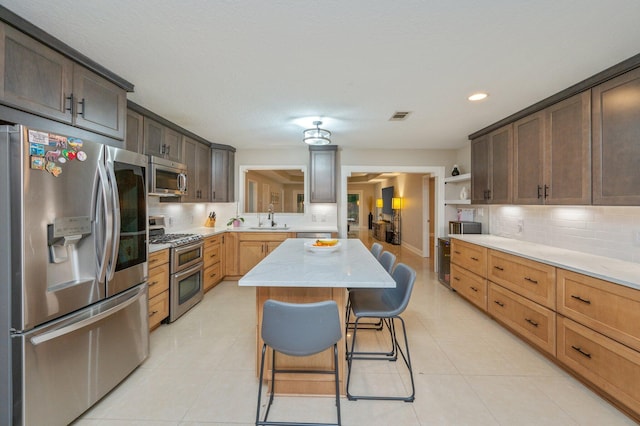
(609,308)
(211,255)
(613,367)
(533,322)
(470,286)
(469,256)
(158,280)
(158,309)
(158,258)
(212,276)
(533,280)
(211,241)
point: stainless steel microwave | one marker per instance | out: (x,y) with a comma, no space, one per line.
(461,227)
(167,178)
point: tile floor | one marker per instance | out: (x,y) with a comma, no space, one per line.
(468,371)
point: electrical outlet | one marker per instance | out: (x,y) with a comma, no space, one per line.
(314,218)
(480,212)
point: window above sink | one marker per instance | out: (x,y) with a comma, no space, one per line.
(282,188)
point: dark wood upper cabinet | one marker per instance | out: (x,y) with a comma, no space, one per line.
(134,137)
(528,158)
(552,154)
(222,164)
(491,167)
(197,157)
(35,78)
(567,160)
(616,140)
(162,141)
(38,79)
(322,174)
(100,105)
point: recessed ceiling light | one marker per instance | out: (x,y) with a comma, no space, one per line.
(478,96)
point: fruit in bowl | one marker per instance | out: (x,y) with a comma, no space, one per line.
(325,243)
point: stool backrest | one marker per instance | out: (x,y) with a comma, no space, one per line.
(300,329)
(376,249)
(399,296)
(387,260)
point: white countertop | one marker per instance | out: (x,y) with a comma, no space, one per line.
(208,232)
(291,265)
(614,270)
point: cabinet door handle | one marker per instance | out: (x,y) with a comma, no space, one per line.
(456,278)
(539,192)
(152,313)
(532,322)
(587,301)
(151,284)
(488,194)
(474,258)
(531,280)
(474,289)
(499,303)
(456,252)
(70,107)
(499,268)
(579,349)
(546,191)
(81,112)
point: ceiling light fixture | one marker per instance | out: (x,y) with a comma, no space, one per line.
(478,96)
(317,136)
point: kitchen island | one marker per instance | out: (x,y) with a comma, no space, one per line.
(292,273)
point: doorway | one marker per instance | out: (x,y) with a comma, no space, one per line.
(437,204)
(354,211)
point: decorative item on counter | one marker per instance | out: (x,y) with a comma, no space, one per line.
(455,171)
(211,220)
(236,221)
(464,194)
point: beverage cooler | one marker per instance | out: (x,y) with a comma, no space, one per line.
(444,257)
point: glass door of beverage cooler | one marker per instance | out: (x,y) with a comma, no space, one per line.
(444,261)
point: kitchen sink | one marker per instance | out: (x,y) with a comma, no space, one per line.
(269,228)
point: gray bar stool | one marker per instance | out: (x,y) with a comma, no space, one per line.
(376,249)
(387,304)
(298,329)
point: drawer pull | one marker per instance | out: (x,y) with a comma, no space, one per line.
(212,275)
(153,260)
(474,258)
(474,289)
(152,313)
(531,280)
(153,283)
(456,278)
(587,301)
(532,322)
(499,268)
(499,303)
(456,252)
(579,349)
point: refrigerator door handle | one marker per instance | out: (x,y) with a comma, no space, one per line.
(87,321)
(103,205)
(115,215)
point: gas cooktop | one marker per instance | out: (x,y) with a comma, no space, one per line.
(174,240)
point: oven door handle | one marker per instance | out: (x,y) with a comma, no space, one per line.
(190,271)
(188,247)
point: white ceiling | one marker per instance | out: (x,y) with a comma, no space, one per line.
(245,72)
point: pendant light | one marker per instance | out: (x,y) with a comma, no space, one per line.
(317,136)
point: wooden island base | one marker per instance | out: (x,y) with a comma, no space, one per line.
(302,384)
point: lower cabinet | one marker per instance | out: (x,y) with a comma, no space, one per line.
(158,287)
(213,254)
(470,286)
(255,246)
(531,321)
(589,326)
(605,363)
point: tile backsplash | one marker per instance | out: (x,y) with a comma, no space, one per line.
(601,230)
(180,216)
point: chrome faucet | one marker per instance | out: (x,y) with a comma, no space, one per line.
(271,216)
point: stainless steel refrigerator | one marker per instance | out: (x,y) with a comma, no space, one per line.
(73,258)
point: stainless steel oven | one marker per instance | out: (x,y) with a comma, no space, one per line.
(186,282)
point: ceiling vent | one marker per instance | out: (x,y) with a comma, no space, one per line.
(400,115)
